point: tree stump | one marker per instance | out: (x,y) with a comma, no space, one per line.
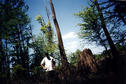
(86,61)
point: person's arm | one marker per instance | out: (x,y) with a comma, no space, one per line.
(53,63)
(42,63)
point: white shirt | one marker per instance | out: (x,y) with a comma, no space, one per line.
(48,63)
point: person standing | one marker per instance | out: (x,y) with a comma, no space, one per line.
(48,65)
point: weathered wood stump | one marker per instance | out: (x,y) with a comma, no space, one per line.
(86,61)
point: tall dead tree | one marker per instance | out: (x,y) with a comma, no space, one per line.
(65,64)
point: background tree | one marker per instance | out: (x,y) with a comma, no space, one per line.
(15,35)
(91,27)
(47,34)
(115,9)
(73,57)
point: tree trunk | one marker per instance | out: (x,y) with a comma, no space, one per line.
(65,64)
(111,44)
(1,53)
(7,59)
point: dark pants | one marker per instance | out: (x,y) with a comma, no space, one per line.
(51,77)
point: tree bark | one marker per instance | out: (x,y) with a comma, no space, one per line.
(65,64)
(86,62)
(1,53)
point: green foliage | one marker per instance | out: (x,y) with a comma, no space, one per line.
(49,40)
(47,34)
(40,47)
(14,36)
(73,57)
(90,28)
(17,68)
(39,50)
(18,71)
(43,28)
(40,19)
(99,56)
(37,69)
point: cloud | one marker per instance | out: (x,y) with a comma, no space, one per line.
(72,46)
(69,35)
(72,43)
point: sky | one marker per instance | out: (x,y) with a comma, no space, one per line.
(65,10)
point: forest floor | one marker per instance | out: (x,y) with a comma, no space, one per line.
(94,79)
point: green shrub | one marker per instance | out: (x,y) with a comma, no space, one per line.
(98,56)
(18,71)
(37,70)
